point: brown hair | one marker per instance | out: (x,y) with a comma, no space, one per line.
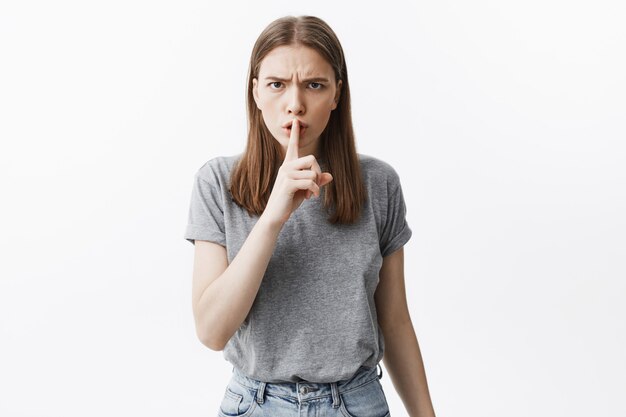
(253,177)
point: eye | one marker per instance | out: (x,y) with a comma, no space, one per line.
(316,86)
(273,85)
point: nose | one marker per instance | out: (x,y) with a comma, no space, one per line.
(295,104)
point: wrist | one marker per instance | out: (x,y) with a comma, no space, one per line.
(269,225)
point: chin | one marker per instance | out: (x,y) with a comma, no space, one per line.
(281,141)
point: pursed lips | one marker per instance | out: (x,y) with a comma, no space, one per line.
(289,124)
(287,127)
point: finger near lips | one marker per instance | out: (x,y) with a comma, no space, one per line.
(308,163)
(289,127)
(294,141)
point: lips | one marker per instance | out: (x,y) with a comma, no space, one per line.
(287,130)
(287,127)
(288,124)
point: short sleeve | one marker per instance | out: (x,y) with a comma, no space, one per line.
(395,232)
(206,214)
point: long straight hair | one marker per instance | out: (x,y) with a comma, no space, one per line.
(254,175)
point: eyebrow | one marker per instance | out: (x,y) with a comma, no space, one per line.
(313,79)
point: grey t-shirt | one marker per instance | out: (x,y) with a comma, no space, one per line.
(314,317)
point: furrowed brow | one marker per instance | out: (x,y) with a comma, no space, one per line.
(272,78)
(316,80)
(308,80)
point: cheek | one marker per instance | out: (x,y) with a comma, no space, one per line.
(322,116)
(266,107)
(324,107)
(264,99)
(261,103)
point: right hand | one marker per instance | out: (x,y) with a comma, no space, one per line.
(298,178)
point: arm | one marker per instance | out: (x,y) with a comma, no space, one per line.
(223,294)
(402,357)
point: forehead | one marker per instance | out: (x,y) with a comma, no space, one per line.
(285,61)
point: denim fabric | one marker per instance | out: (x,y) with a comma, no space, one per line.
(359,396)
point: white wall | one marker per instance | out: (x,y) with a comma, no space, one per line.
(505,121)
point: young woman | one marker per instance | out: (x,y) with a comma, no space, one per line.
(298,267)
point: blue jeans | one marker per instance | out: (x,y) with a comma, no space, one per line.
(360,396)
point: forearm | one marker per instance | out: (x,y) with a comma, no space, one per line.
(225,303)
(403,361)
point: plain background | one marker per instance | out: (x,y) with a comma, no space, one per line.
(505,121)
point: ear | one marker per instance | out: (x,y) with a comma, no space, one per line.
(337,95)
(255,92)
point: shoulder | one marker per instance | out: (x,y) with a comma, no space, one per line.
(217,167)
(378,173)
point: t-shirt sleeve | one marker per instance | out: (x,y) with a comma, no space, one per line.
(206,214)
(396,231)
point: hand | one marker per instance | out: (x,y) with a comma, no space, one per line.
(298,178)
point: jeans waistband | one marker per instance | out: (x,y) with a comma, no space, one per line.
(308,390)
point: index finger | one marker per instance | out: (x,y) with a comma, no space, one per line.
(294,141)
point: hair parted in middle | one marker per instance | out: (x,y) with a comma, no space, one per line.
(254,175)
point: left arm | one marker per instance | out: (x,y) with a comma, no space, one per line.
(402,356)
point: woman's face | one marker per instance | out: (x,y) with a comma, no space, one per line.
(295,82)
